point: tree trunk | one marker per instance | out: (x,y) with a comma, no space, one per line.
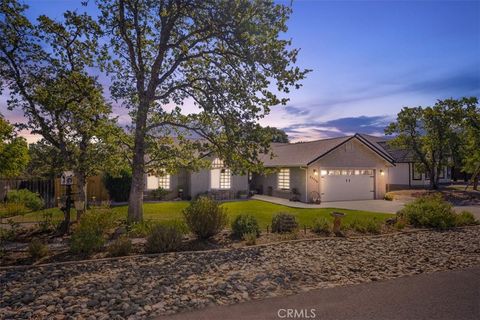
(475,183)
(82,193)
(135,200)
(433,179)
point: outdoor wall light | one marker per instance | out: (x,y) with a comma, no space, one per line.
(382,173)
(315,172)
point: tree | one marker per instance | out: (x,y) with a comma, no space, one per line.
(13,151)
(225,57)
(44,67)
(430,133)
(470,112)
(278,135)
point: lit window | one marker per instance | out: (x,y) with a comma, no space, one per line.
(416,172)
(284,179)
(164,182)
(323,172)
(225,178)
(217,163)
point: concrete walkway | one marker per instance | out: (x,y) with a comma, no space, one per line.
(441,296)
(366,205)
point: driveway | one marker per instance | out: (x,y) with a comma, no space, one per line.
(442,295)
(365,205)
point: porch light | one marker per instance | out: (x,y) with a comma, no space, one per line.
(315,172)
(382,173)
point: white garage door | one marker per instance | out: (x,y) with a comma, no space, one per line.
(347,184)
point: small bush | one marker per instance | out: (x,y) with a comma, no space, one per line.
(321,225)
(250,238)
(160,193)
(164,238)
(245,224)
(366,225)
(373,226)
(47,223)
(141,229)
(37,249)
(465,218)
(205,217)
(429,211)
(284,222)
(120,247)
(11,233)
(400,224)
(25,197)
(89,236)
(388,196)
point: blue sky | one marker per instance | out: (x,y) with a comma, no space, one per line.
(369,59)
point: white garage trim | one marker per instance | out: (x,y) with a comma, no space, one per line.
(343,184)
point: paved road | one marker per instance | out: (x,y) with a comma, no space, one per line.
(443,295)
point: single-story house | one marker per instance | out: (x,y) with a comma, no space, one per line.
(353,167)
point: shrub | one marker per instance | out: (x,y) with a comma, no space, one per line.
(10,234)
(47,223)
(118,186)
(141,229)
(388,196)
(37,249)
(89,236)
(243,224)
(465,218)
(284,222)
(321,225)
(429,211)
(365,225)
(250,238)
(29,199)
(400,224)
(120,247)
(164,238)
(205,217)
(159,193)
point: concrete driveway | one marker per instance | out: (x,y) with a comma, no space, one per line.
(441,296)
(365,205)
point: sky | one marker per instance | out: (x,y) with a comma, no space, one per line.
(368,60)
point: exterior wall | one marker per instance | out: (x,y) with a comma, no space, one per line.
(353,154)
(177,181)
(264,183)
(200,183)
(95,188)
(401,177)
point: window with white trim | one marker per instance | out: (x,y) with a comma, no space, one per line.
(164,182)
(225,179)
(284,179)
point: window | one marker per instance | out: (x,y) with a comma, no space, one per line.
(349,172)
(225,177)
(164,182)
(284,179)
(220,177)
(416,174)
(442,174)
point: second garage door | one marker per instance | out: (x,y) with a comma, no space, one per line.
(347,184)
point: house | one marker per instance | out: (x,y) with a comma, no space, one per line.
(356,167)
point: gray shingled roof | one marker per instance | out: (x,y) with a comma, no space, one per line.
(301,154)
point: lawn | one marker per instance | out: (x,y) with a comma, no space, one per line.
(263,211)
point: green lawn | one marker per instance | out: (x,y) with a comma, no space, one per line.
(263,211)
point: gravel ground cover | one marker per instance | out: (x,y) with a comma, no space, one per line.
(146,286)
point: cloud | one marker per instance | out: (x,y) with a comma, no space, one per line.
(296,111)
(338,127)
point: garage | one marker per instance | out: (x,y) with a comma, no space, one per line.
(347,184)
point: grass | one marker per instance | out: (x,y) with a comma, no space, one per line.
(263,211)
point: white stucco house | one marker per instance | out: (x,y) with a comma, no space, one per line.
(356,167)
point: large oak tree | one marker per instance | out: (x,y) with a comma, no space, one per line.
(227,58)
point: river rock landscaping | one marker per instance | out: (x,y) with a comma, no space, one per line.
(144,286)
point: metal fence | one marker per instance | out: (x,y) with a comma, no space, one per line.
(44,187)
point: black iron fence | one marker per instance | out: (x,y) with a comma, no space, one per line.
(44,187)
